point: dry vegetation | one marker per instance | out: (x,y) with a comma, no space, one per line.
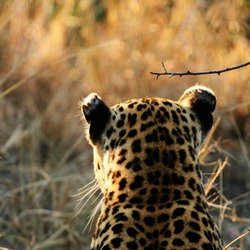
(54,52)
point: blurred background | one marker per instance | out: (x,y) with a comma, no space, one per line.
(54,52)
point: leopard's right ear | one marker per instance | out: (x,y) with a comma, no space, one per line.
(202,101)
(97,114)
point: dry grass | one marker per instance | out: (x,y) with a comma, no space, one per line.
(54,52)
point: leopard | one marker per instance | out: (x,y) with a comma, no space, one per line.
(146,163)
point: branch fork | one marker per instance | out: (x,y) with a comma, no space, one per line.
(218,72)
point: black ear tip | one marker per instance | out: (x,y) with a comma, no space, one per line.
(90,104)
(90,101)
(96,114)
(202,101)
(199,96)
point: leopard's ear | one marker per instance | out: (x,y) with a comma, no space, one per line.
(202,101)
(97,115)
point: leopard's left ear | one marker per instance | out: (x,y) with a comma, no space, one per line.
(202,101)
(97,115)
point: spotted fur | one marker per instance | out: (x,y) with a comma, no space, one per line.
(146,164)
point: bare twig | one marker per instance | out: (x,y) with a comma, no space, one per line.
(242,235)
(211,182)
(218,72)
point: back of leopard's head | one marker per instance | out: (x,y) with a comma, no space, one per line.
(146,159)
(137,131)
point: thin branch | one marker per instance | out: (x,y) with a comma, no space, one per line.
(241,236)
(218,72)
